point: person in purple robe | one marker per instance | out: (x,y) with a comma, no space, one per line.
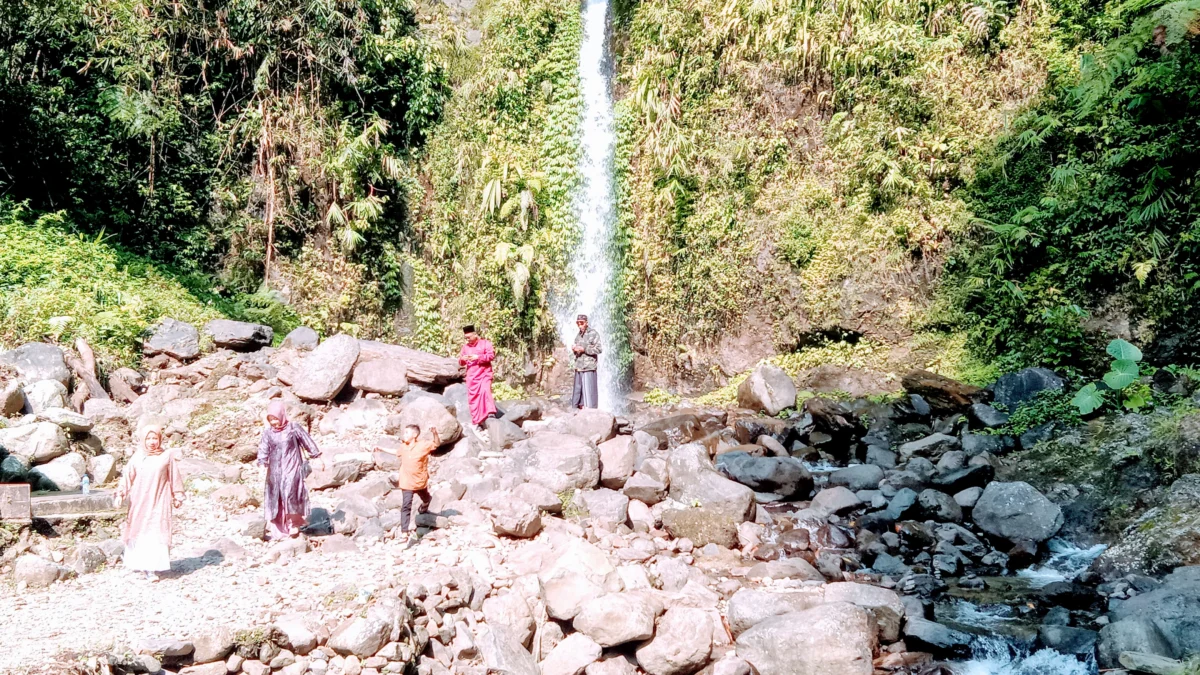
(282,450)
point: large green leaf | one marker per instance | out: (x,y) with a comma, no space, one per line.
(1088,399)
(1123,374)
(1123,351)
(1118,381)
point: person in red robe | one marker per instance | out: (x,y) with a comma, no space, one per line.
(477,355)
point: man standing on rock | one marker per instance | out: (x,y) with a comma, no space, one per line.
(585,393)
(477,355)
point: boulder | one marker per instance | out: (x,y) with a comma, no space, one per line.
(988,417)
(327,369)
(682,643)
(502,653)
(502,434)
(939,506)
(213,644)
(1131,635)
(645,488)
(1162,538)
(62,474)
(958,480)
(1016,511)
(784,476)
(767,389)
(515,518)
(713,505)
(749,606)
(566,592)
(37,361)
(617,457)
(1013,389)
(857,477)
(44,395)
(558,462)
(520,412)
(942,393)
(69,420)
(38,443)
(605,507)
(617,618)
(420,368)
(936,638)
(790,568)
(428,413)
(12,398)
(832,639)
(930,447)
(571,656)
(669,432)
(360,636)
(511,611)
(302,339)
(835,500)
(540,496)
(176,339)
(968,498)
(1172,609)
(883,603)
(14,469)
(1069,640)
(592,424)
(36,572)
(87,559)
(239,335)
(385,376)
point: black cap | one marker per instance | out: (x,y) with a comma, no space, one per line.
(469,328)
(581,317)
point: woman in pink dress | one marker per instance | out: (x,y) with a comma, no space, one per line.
(282,450)
(154,488)
(477,355)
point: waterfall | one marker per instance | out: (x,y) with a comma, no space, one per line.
(593,262)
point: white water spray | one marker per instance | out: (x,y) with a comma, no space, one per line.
(593,260)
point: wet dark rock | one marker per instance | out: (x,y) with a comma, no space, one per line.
(785,476)
(904,502)
(1037,435)
(957,481)
(988,417)
(881,457)
(681,429)
(1022,554)
(914,407)
(1017,511)
(1057,616)
(1067,594)
(1068,640)
(1013,389)
(936,638)
(175,339)
(931,447)
(858,477)
(239,335)
(886,563)
(939,506)
(977,444)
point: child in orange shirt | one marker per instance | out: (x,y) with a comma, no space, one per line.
(414,473)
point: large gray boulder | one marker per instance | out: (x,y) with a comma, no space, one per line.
(37,443)
(43,395)
(558,461)
(515,518)
(711,505)
(832,639)
(939,639)
(12,398)
(1017,511)
(682,643)
(883,603)
(239,335)
(1162,538)
(327,369)
(592,424)
(1164,621)
(1013,389)
(750,606)
(930,447)
(502,653)
(511,611)
(616,618)
(64,473)
(784,476)
(858,477)
(571,656)
(69,420)
(381,376)
(428,413)
(302,339)
(421,368)
(617,458)
(605,507)
(36,572)
(38,361)
(768,389)
(175,339)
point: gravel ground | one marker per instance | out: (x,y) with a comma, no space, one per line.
(115,607)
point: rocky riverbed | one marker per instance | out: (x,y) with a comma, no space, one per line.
(850,537)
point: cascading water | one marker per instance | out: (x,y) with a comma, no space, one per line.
(593,262)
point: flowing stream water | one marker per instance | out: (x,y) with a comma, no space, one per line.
(594,261)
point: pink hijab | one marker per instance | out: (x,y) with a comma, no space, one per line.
(278,410)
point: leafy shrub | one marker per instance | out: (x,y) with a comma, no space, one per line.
(659,396)
(61,286)
(1121,378)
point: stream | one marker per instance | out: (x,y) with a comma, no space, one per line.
(1005,631)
